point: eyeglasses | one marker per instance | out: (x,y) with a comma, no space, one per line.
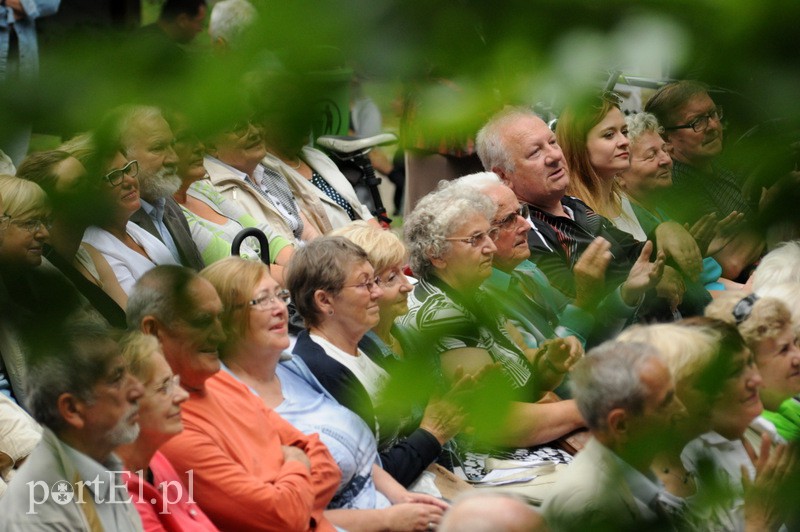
(369,285)
(269,301)
(477,238)
(169,386)
(114,177)
(32,225)
(700,124)
(508,221)
(4,221)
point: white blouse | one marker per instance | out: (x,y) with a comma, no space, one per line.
(127,264)
(369,374)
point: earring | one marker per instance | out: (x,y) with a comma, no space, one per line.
(330,312)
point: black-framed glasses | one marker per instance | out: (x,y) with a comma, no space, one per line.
(33,225)
(700,124)
(270,301)
(508,222)
(478,238)
(115,177)
(4,221)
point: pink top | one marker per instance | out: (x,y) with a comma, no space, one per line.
(166,505)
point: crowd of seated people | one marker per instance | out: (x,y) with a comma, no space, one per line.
(557,310)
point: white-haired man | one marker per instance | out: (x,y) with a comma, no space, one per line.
(527,296)
(520,148)
(228,22)
(147,138)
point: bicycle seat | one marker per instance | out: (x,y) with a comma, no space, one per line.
(346,144)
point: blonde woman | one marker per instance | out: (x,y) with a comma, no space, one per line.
(162,501)
(766,325)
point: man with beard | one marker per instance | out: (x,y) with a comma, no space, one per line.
(693,126)
(146,137)
(80,390)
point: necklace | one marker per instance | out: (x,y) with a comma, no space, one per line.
(299,162)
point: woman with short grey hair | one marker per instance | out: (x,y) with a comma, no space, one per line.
(451,241)
(428,227)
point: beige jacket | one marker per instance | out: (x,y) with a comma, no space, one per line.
(232,187)
(324,213)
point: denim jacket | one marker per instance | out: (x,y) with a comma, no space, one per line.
(26,35)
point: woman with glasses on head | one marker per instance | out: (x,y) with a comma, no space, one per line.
(766,325)
(593,135)
(452,325)
(164,503)
(718,382)
(255,322)
(129,249)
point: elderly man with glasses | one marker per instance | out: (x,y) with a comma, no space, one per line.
(539,310)
(700,185)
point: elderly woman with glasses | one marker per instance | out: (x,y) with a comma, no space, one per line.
(255,321)
(23,284)
(163,502)
(644,186)
(27,223)
(451,243)
(411,446)
(129,249)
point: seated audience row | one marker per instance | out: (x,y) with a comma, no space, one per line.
(481,358)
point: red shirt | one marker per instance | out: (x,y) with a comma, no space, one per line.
(165,505)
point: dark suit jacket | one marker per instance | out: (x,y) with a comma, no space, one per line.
(178,227)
